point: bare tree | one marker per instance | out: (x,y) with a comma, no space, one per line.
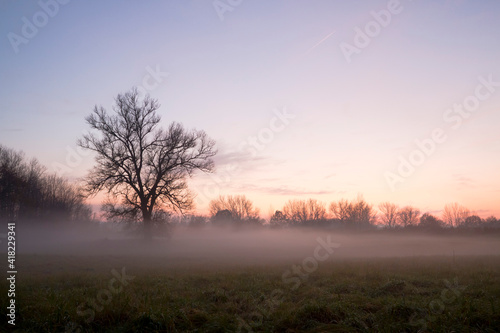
(454,214)
(139,163)
(389,213)
(358,212)
(300,211)
(239,206)
(62,200)
(28,193)
(296,211)
(12,179)
(341,209)
(408,216)
(363,213)
(317,210)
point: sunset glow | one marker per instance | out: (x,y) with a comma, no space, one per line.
(323,99)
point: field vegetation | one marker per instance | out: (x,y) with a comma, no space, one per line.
(127,293)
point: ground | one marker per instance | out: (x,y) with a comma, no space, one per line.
(118,293)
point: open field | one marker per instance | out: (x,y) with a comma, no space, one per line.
(312,289)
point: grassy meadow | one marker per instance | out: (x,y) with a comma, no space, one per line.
(68,293)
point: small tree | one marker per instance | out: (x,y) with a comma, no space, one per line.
(296,211)
(454,214)
(358,212)
(363,213)
(301,211)
(472,221)
(278,219)
(492,222)
(240,208)
(317,210)
(389,214)
(222,218)
(341,209)
(141,165)
(408,216)
(428,221)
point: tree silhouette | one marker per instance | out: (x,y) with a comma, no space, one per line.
(302,211)
(341,210)
(472,221)
(240,208)
(428,221)
(358,213)
(222,217)
(408,216)
(455,215)
(278,219)
(389,214)
(28,193)
(141,164)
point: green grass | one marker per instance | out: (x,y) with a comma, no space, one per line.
(351,295)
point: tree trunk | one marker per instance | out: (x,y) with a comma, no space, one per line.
(148,225)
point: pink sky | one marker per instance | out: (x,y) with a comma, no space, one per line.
(351,114)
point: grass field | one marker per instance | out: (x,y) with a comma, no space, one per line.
(82,294)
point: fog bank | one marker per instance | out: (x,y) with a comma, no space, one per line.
(248,246)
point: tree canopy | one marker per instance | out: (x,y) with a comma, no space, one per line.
(142,166)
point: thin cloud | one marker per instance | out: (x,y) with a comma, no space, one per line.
(463,181)
(281,190)
(235,157)
(243,160)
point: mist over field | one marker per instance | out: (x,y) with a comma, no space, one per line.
(212,279)
(251,246)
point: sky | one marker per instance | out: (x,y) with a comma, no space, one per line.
(393,100)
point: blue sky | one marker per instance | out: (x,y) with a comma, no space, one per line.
(352,119)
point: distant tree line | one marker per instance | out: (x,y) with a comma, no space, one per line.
(356,214)
(29,193)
